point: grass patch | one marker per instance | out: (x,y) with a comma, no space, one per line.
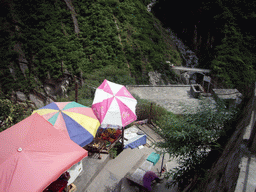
(146,109)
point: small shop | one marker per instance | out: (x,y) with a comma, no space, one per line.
(64,133)
(105,140)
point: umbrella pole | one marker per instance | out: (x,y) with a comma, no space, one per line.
(122,138)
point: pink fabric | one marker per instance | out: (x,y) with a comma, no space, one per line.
(60,124)
(100,109)
(105,86)
(61,105)
(148,178)
(49,115)
(124,92)
(126,113)
(33,155)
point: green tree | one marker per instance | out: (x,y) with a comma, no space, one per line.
(191,137)
(233,61)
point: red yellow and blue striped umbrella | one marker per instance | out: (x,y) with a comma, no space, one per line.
(74,119)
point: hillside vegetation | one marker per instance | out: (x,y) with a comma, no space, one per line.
(220,34)
(47,39)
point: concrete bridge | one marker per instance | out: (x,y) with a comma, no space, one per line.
(187,74)
(187,69)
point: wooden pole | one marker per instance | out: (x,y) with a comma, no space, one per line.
(76,89)
(150,113)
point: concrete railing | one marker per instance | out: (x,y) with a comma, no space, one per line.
(247,173)
(174,85)
(196,90)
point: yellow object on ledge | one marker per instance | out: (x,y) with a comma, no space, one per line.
(72,187)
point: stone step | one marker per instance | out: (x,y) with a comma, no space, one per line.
(129,156)
(115,169)
(92,166)
(151,134)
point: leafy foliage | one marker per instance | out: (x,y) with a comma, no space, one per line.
(146,109)
(112,33)
(191,137)
(94,79)
(12,113)
(234,62)
(219,33)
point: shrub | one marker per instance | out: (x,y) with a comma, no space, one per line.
(144,107)
(12,113)
(191,137)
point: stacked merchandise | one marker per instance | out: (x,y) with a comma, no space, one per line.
(109,134)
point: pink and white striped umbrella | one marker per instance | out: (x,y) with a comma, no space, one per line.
(113,105)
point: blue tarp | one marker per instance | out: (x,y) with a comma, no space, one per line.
(136,141)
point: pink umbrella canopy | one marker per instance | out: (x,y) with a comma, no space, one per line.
(33,154)
(114,105)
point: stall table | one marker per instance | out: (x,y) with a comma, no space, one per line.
(133,139)
(107,148)
(138,171)
(96,146)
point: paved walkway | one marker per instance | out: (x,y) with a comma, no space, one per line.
(172,98)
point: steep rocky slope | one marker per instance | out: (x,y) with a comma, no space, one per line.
(45,45)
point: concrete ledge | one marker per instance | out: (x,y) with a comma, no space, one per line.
(151,134)
(249,128)
(246,181)
(178,85)
(196,89)
(241,177)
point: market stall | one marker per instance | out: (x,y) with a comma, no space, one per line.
(114,107)
(105,140)
(134,137)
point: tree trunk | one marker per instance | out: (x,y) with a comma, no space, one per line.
(195,38)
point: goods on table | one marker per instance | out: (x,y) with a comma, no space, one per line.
(95,144)
(110,134)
